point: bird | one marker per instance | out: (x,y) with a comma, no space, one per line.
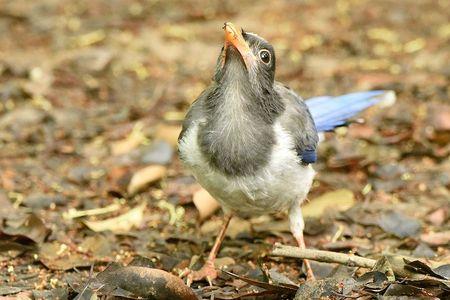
(251,141)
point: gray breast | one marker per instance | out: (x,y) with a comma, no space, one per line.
(236,148)
(237,136)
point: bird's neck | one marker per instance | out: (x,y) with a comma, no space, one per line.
(238,135)
(239,101)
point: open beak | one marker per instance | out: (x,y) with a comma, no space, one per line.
(233,36)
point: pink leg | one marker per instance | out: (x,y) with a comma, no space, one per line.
(297,224)
(309,271)
(208,271)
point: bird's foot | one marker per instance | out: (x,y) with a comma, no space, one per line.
(208,272)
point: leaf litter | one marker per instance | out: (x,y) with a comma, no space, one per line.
(91,101)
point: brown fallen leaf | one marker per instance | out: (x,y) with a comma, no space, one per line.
(132,141)
(237,226)
(6,207)
(119,224)
(436,238)
(205,203)
(144,282)
(341,200)
(98,246)
(168,133)
(57,256)
(142,178)
(438,217)
(29,226)
(224,261)
(398,224)
(440,117)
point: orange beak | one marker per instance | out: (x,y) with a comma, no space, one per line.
(233,36)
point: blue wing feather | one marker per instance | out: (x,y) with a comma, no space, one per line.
(330,112)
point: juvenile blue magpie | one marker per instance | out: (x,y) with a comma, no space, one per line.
(251,141)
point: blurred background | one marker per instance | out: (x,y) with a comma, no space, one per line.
(92,95)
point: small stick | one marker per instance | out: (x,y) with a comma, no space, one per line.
(396,262)
(323,256)
(73,213)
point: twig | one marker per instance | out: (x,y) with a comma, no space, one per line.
(287,288)
(73,213)
(323,256)
(396,261)
(91,276)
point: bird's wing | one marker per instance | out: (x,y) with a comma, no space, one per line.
(304,119)
(331,112)
(298,122)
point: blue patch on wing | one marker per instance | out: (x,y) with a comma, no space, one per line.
(308,156)
(331,112)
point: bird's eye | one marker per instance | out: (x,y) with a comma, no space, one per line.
(264,54)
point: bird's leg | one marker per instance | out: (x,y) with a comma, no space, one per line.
(297,225)
(208,270)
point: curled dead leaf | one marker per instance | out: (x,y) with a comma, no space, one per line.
(399,224)
(143,282)
(237,226)
(341,200)
(436,238)
(29,226)
(132,141)
(6,207)
(58,256)
(168,133)
(142,178)
(205,203)
(119,224)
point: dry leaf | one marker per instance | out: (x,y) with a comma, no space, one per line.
(440,118)
(142,282)
(58,256)
(30,226)
(6,207)
(168,133)
(119,224)
(205,203)
(438,217)
(132,141)
(236,227)
(436,238)
(126,145)
(340,200)
(398,224)
(224,261)
(142,178)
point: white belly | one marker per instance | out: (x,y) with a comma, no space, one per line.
(283,182)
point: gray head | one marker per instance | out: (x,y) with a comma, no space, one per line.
(247,58)
(246,66)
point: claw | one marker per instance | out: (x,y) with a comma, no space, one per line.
(208,272)
(189,281)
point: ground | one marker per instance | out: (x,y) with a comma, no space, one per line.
(92,95)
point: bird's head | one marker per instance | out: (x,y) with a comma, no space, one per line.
(246,58)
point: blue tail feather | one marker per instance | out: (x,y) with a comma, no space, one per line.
(330,112)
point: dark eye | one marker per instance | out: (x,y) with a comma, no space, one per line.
(264,54)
